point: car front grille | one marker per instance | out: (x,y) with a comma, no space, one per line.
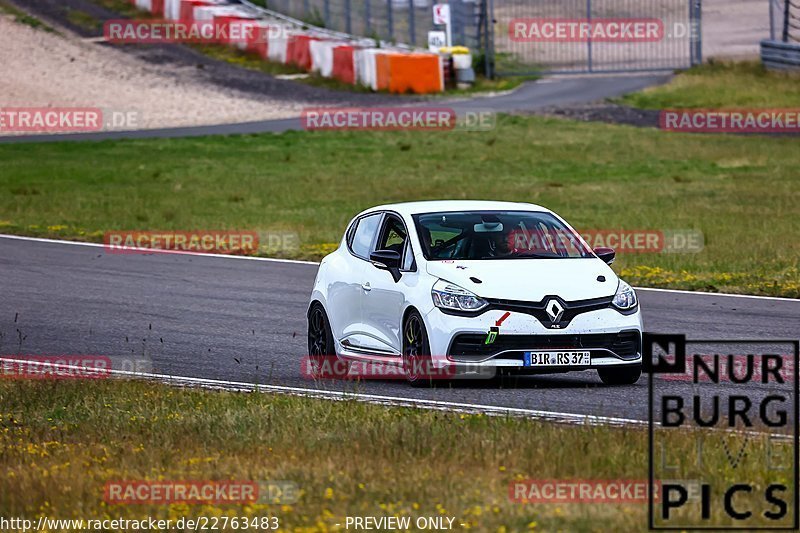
(471,347)
(539,309)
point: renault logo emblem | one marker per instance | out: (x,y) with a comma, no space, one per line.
(554,311)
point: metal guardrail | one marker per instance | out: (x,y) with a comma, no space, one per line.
(782,50)
(791,21)
(320,31)
(784,20)
(780,55)
(403,23)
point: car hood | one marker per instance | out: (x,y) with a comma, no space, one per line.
(530,279)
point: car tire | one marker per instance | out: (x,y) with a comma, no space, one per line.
(322,359)
(627,375)
(416,351)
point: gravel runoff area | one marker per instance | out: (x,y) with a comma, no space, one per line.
(44,69)
(163,85)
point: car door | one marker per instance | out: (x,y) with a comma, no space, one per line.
(384,300)
(344,290)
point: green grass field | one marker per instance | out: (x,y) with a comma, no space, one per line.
(724,85)
(61,441)
(741,192)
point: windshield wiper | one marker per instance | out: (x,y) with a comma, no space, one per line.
(533,255)
(520,256)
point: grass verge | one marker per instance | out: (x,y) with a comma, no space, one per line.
(83,19)
(255,62)
(61,441)
(23,18)
(722,85)
(740,192)
(125,8)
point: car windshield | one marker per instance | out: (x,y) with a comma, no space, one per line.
(477,235)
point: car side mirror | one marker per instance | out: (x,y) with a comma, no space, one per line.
(387,260)
(607,255)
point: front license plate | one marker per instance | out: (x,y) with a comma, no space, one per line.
(557,359)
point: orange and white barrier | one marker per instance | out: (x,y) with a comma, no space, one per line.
(217,17)
(322,57)
(366,73)
(257,40)
(381,69)
(203,13)
(344,68)
(233,28)
(277,42)
(157,7)
(298,50)
(186,13)
(242,31)
(415,73)
(172,9)
(383,72)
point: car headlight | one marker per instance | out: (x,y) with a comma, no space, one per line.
(625,299)
(450,296)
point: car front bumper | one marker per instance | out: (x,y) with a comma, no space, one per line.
(611,338)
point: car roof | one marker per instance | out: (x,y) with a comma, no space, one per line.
(435,206)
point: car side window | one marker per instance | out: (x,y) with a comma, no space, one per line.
(393,235)
(363,235)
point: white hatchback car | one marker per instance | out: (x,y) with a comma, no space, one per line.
(466,288)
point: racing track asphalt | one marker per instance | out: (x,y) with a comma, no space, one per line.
(529,97)
(244,320)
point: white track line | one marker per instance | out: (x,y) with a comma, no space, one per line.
(296,261)
(240,386)
(392,401)
(729,295)
(154,252)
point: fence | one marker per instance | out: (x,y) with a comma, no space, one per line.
(676,45)
(399,21)
(486,26)
(782,49)
(784,18)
